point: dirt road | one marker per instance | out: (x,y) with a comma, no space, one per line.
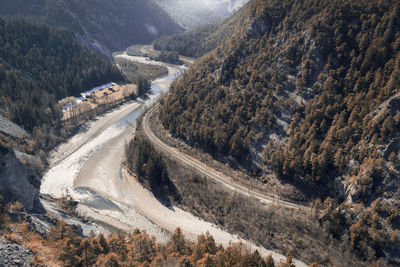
(210,172)
(89,169)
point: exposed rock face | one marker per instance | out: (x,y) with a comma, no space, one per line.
(392,147)
(11,129)
(259,27)
(17,182)
(394,105)
(14,255)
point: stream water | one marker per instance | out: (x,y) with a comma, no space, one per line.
(67,161)
(88,168)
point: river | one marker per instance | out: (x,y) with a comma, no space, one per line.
(88,168)
(68,160)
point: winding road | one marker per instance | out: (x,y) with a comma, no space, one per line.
(89,168)
(210,172)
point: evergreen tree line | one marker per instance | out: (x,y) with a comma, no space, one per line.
(143,160)
(40,65)
(171,57)
(308,92)
(63,247)
(190,44)
(199,41)
(135,71)
(243,104)
(115,24)
(144,86)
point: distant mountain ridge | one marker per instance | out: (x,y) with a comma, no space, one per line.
(225,8)
(106,26)
(191,14)
(203,39)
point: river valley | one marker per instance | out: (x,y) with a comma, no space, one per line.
(89,169)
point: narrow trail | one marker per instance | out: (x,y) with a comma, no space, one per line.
(211,172)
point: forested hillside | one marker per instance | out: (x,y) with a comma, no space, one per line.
(143,160)
(191,14)
(199,13)
(203,39)
(40,65)
(308,92)
(115,24)
(225,7)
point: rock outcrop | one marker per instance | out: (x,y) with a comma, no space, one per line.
(17,183)
(12,254)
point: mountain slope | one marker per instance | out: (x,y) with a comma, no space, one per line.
(40,65)
(191,14)
(203,39)
(105,25)
(307,92)
(224,8)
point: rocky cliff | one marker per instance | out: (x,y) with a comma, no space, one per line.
(17,182)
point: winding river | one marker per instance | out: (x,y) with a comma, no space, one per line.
(88,168)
